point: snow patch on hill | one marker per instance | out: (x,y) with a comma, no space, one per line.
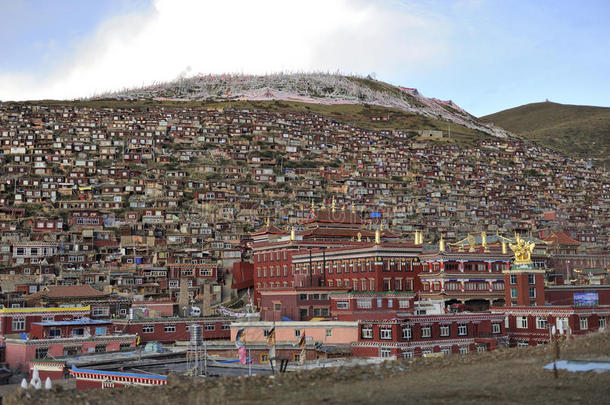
(310,88)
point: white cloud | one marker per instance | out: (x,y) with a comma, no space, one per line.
(241,36)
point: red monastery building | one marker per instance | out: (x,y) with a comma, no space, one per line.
(333,250)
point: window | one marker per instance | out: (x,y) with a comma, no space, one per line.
(385,333)
(100,311)
(407,332)
(481,348)
(364,303)
(210,326)
(54,333)
(303,312)
(148,329)
(426,331)
(444,330)
(464,350)
(513,279)
(170,328)
(41,352)
(18,324)
(71,350)
(584,323)
(407,354)
(379,303)
(522,322)
(522,344)
(264,358)
(100,348)
(446,351)
(366,332)
(495,328)
(225,326)
(530,279)
(532,292)
(513,292)
(385,353)
(277,307)
(403,303)
(462,330)
(124,346)
(426,352)
(297,333)
(303,297)
(329,332)
(342,304)
(540,323)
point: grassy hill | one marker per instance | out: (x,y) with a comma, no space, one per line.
(579,131)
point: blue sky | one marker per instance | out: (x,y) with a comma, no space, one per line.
(484,55)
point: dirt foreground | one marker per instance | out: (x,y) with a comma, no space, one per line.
(509,376)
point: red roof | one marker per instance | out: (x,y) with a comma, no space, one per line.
(561,238)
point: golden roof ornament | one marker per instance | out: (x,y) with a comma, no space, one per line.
(523,251)
(268,223)
(332,205)
(292,234)
(471,241)
(359,237)
(377,237)
(503,247)
(313,207)
(353,208)
(381,227)
(441,245)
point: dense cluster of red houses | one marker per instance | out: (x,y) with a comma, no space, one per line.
(124,226)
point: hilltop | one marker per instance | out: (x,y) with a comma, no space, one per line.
(578,131)
(312,88)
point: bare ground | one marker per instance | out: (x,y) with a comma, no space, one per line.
(510,376)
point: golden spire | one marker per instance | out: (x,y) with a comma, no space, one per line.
(292,235)
(377,237)
(267,222)
(416,238)
(332,205)
(353,208)
(313,207)
(343,207)
(381,227)
(441,245)
(359,237)
(503,247)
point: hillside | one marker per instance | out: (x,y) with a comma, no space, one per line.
(508,376)
(313,88)
(579,131)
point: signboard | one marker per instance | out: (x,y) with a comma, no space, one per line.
(588,299)
(375,214)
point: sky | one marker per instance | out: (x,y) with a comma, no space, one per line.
(486,56)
